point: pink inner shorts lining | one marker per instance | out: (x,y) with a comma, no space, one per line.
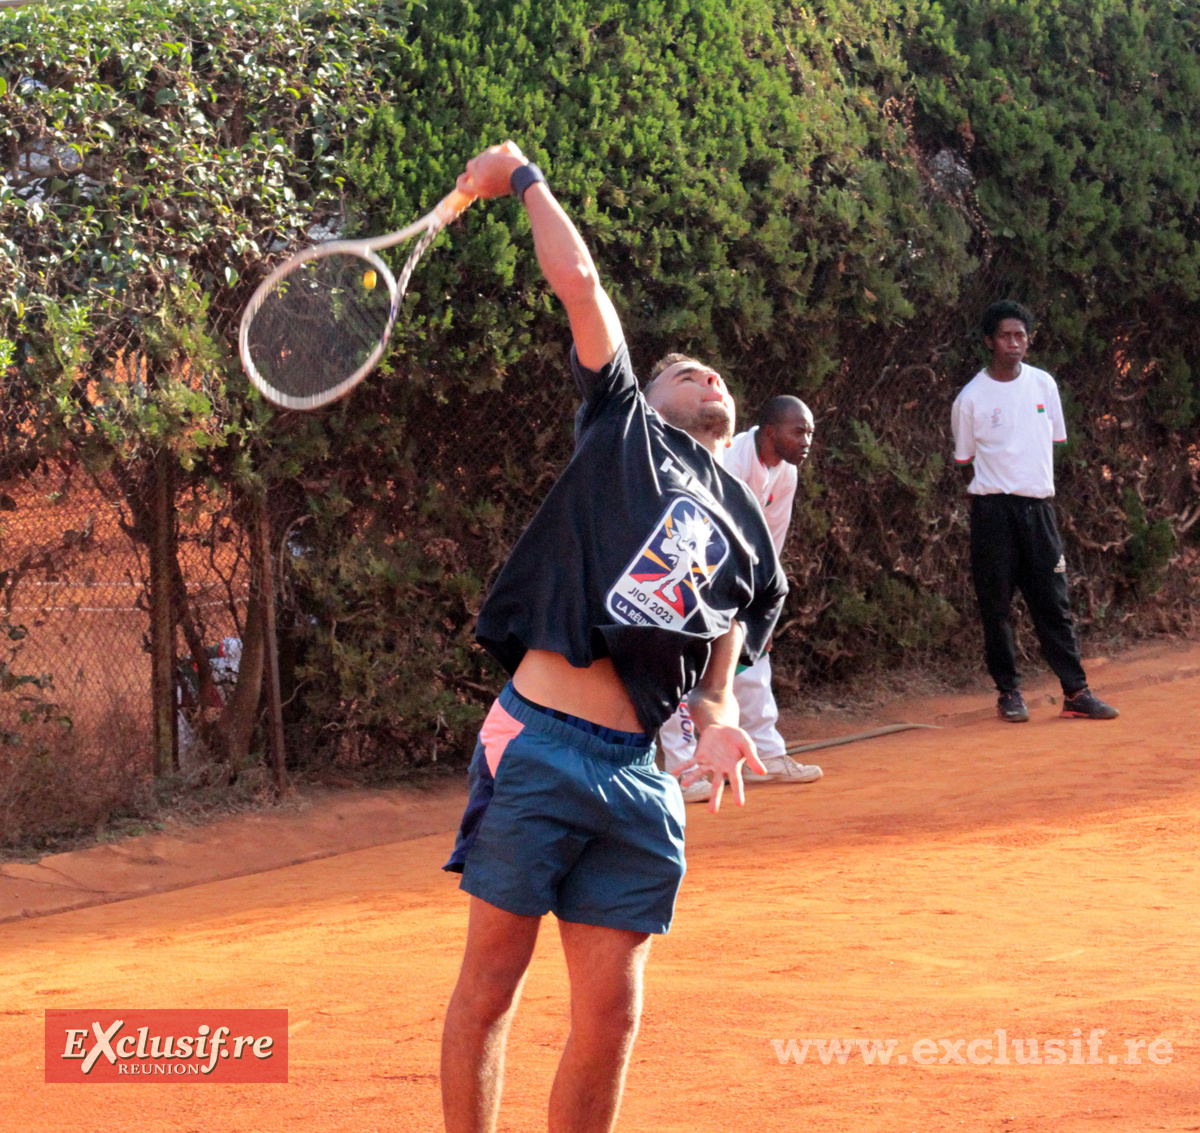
(498,731)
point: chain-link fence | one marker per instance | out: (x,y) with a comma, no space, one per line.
(877,554)
(77,725)
(75,582)
(78,720)
(385,546)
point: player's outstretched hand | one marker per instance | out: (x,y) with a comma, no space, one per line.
(720,753)
(487,175)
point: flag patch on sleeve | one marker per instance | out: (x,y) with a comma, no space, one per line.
(1041,408)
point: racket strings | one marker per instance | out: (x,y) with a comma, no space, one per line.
(322,325)
(319,325)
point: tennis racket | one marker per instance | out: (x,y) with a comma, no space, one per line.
(319,323)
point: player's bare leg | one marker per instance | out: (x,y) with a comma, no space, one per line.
(499,947)
(605,967)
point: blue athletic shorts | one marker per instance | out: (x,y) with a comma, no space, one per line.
(569,817)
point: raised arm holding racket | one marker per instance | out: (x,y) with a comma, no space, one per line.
(643,574)
(319,323)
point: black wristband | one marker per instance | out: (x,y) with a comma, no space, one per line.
(524,176)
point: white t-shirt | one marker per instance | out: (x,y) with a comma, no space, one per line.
(774,488)
(1009,429)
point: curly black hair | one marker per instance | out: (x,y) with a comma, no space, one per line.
(1005,309)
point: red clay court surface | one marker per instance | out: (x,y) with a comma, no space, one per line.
(1038,879)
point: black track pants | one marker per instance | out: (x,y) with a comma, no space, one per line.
(1015,545)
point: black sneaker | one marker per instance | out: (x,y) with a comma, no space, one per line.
(1011,707)
(1088,706)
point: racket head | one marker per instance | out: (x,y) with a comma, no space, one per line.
(318,324)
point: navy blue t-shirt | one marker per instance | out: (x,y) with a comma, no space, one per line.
(645,551)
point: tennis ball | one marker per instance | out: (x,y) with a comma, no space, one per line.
(369,281)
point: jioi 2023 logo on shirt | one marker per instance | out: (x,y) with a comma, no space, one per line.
(665,582)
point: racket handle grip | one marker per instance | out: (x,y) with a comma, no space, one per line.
(451,205)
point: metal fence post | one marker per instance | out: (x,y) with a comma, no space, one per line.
(162,623)
(271,672)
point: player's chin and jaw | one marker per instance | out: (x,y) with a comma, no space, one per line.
(714,419)
(710,423)
(705,419)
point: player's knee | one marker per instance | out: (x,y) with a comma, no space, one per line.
(609,1027)
(613,1012)
(485,993)
(994,612)
(484,1005)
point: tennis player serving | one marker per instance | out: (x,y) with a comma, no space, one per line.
(645,575)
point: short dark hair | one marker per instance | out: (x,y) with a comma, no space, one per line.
(1005,309)
(780,408)
(668,360)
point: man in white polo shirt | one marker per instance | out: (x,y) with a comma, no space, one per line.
(1006,421)
(765,459)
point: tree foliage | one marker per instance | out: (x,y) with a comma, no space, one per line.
(155,152)
(741,186)
(1081,122)
(817,197)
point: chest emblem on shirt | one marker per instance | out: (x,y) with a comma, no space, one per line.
(666,580)
(995,418)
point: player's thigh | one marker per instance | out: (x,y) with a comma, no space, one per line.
(605,966)
(1043,561)
(677,739)
(499,947)
(995,552)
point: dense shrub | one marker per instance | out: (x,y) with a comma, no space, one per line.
(819,198)
(741,188)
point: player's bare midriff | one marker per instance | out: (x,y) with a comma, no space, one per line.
(594,693)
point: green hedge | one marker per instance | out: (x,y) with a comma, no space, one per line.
(818,198)
(741,189)
(1081,121)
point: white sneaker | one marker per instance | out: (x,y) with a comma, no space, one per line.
(784,769)
(699,792)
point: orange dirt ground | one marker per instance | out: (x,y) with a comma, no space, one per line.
(934,885)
